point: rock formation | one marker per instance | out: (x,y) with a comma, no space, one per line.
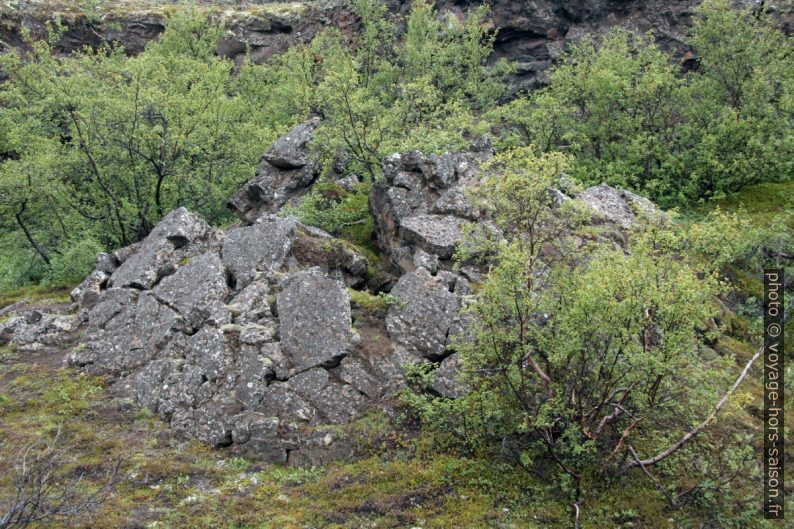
(248,338)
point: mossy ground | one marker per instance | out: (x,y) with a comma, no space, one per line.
(406,481)
(172,482)
(761,202)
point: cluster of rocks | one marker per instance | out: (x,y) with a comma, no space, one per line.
(248,337)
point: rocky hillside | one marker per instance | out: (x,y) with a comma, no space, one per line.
(530,33)
(267,337)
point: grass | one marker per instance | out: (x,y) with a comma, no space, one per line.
(54,293)
(374,304)
(170,482)
(761,202)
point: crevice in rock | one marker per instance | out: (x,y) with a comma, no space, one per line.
(231,281)
(332,362)
(178,241)
(226,442)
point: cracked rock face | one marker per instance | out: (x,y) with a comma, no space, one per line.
(420,206)
(225,335)
(260,247)
(314,318)
(532,34)
(420,323)
(178,236)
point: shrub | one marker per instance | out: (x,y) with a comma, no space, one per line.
(339,212)
(581,357)
(620,107)
(385,95)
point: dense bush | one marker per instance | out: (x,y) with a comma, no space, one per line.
(104,145)
(620,106)
(338,211)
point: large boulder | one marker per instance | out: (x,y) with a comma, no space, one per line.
(285,173)
(421,320)
(436,234)
(259,247)
(314,318)
(289,152)
(617,206)
(195,290)
(178,236)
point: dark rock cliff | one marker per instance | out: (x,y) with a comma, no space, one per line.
(532,34)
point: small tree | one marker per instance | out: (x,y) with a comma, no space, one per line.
(582,355)
(738,107)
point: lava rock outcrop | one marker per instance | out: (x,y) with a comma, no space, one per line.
(248,338)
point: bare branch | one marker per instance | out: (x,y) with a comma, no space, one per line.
(42,490)
(700,427)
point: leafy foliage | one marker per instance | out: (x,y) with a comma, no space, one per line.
(105,144)
(95,148)
(621,108)
(340,212)
(384,96)
(580,355)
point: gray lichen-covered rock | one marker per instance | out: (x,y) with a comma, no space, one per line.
(446,380)
(421,203)
(420,323)
(617,206)
(260,247)
(289,151)
(337,403)
(284,173)
(314,318)
(126,331)
(436,234)
(233,338)
(179,235)
(34,330)
(196,289)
